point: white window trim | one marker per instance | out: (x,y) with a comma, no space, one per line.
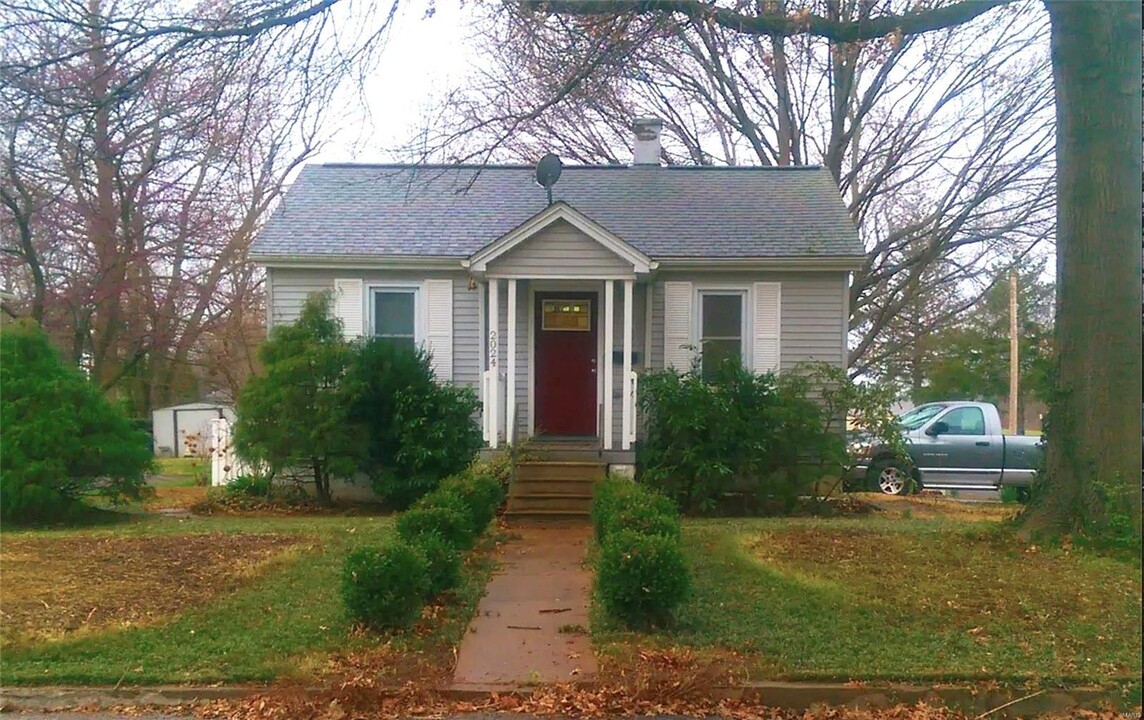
(420,330)
(746,319)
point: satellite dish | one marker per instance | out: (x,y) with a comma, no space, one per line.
(548,172)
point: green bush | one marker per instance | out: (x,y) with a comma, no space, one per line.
(767,436)
(642,578)
(444,562)
(653,515)
(293,418)
(385,587)
(443,498)
(63,439)
(250,486)
(481,491)
(608,497)
(452,524)
(704,435)
(417,431)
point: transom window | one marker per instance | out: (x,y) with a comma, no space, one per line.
(567,315)
(394,314)
(721,328)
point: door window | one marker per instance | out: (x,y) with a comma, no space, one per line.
(965,421)
(567,315)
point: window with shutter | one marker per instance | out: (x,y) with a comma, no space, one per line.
(766,356)
(677,325)
(394,315)
(348,301)
(722,321)
(439,327)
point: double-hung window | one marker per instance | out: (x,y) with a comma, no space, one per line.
(722,328)
(394,315)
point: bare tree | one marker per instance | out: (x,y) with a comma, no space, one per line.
(1094,451)
(135,178)
(941,143)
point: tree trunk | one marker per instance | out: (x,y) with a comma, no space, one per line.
(1094,441)
(321,483)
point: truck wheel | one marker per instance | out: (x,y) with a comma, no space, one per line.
(889,478)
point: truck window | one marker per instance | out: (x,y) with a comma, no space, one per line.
(966,420)
(917,417)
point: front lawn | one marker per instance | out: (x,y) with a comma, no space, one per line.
(218,599)
(928,590)
(181,471)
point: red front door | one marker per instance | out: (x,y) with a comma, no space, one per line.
(566,363)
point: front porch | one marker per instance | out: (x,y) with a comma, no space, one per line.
(563,333)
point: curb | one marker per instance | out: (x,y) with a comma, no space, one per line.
(784,695)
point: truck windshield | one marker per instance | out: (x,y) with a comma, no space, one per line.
(917,417)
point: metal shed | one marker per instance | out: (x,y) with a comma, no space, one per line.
(181,429)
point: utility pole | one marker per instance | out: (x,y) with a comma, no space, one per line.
(1014,366)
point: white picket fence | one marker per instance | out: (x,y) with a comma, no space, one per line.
(225,465)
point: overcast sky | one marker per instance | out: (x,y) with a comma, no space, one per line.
(422,59)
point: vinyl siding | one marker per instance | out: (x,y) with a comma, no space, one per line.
(813,311)
(559,250)
(289,288)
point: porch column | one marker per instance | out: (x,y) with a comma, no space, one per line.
(626,407)
(493,397)
(510,371)
(609,346)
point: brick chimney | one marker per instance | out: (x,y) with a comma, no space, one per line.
(647,144)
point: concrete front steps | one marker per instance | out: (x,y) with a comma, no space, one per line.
(553,491)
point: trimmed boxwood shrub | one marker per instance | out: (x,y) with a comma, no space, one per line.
(608,496)
(481,491)
(444,562)
(642,578)
(446,499)
(385,587)
(650,516)
(452,524)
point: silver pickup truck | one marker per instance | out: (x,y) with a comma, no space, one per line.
(952,446)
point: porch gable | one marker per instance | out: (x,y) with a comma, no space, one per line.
(560,242)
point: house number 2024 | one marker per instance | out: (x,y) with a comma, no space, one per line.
(493,348)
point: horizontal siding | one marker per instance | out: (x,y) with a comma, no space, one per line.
(559,250)
(813,317)
(813,312)
(289,288)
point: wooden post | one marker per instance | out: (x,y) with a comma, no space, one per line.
(494,396)
(1014,359)
(609,366)
(626,407)
(510,368)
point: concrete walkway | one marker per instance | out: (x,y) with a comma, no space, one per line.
(539,588)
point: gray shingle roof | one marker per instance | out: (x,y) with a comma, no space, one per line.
(383,210)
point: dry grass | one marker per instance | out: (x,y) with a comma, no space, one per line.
(926,590)
(56,586)
(175,497)
(930,506)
